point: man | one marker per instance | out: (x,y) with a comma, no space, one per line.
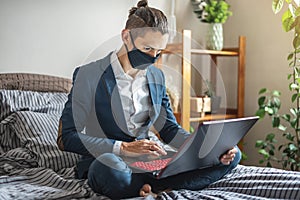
(111,107)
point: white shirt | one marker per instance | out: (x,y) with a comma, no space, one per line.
(135,98)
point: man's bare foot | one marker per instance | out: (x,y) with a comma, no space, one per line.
(146,190)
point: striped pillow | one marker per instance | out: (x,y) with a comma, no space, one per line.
(37,132)
(17,100)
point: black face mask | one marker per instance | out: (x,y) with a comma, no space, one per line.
(139,59)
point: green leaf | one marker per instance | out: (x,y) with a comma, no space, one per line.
(290,56)
(276,93)
(280,147)
(294,97)
(293,123)
(244,156)
(297,11)
(261,161)
(277,5)
(289,76)
(289,137)
(270,137)
(275,122)
(264,153)
(272,145)
(269,110)
(297,22)
(260,113)
(292,147)
(294,86)
(287,117)
(293,111)
(282,128)
(263,90)
(261,100)
(277,102)
(259,143)
(288,21)
(296,42)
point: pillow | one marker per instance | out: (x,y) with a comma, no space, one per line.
(8,139)
(37,132)
(16,100)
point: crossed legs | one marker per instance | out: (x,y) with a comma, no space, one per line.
(109,175)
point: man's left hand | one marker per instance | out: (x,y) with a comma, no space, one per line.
(228,157)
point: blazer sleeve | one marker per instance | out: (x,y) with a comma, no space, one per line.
(75,116)
(170,131)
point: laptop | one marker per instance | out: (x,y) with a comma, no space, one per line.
(202,149)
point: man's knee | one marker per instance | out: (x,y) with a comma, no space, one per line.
(109,174)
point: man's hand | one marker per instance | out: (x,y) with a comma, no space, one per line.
(142,147)
(228,157)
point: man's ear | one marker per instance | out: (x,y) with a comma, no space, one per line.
(125,36)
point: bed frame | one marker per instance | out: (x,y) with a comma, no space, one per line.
(34,82)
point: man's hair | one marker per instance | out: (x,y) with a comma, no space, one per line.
(144,17)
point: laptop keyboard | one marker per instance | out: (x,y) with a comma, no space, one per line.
(152,165)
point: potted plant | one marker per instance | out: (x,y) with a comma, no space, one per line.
(215,13)
(288,124)
(215,101)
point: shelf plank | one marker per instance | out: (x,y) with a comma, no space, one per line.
(209,117)
(176,48)
(213,52)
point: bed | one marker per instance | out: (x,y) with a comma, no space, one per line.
(32,166)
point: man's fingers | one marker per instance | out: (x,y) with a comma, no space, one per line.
(229,156)
(154,147)
(144,146)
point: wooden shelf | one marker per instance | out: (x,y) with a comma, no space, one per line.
(185,51)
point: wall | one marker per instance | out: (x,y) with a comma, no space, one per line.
(53,37)
(266,66)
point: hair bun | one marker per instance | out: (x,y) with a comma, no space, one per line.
(142,3)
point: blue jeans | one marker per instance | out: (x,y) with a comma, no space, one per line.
(109,175)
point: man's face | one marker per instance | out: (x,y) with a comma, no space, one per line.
(151,43)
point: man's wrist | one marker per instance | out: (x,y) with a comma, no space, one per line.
(117,148)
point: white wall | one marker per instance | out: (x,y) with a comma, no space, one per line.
(53,37)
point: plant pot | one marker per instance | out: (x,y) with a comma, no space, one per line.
(214,37)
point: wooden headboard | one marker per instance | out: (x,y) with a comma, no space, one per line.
(34,82)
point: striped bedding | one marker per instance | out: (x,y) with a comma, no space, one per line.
(32,167)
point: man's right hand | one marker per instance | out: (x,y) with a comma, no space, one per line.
(142,147)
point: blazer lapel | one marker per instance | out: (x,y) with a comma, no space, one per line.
(154,95)
(109,82)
